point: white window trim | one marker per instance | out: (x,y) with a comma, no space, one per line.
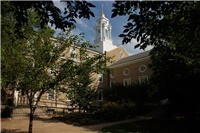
(87,55)
(112,74)
(125,70)
(72,51)
(140,78)
(121,54)
(127,79)
(144,69)
(100,76)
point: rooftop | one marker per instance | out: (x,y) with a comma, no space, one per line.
(131,58)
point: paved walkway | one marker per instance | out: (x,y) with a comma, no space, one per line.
(45,125)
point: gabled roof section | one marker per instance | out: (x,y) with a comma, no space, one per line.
(131,58)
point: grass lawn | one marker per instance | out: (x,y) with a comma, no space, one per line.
(155,126)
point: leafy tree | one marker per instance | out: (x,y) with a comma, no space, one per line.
(47,13)
(32,57)
(156,23)
(173,28)
(10,55)
(82,73)
(176,80)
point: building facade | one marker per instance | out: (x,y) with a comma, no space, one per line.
(125,69)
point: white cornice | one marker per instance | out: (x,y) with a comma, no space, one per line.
(129,62)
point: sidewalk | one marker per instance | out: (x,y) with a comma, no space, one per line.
(45,125)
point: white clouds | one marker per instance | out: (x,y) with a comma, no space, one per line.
(82,24)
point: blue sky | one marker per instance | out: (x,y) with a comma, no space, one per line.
(87,26)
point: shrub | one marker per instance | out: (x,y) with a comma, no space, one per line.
(6,112)
(112,111)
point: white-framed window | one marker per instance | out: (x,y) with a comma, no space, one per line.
(127,82)
(100,95)
(106,33)
(112,74)
(98,33)
(55,45)
(100,77)
(72,53)
(126,71)
(112,83)
(121,54)
(142,68)
(51,94)
(87,55)
(143,79)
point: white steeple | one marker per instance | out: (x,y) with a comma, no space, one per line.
(103,37)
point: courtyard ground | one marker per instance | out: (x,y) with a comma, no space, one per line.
(47,125)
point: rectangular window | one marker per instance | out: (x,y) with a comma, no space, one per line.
(72,53)
(143,79)
(100,95)
(100,77)
(55,45)
(106,33)
(51,94)
(127,82)
(112,83)
(98,33)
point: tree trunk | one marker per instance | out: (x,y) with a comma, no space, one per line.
(30,121)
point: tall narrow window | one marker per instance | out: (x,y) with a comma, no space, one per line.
(100,95)
(100,76)
(51,94)
(72,53)
(106,33)
(98,33)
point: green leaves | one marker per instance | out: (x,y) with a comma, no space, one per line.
(158,20)
(48,13)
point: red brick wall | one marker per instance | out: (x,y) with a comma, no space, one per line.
(134,72)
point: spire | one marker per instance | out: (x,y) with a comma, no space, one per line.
(102,14)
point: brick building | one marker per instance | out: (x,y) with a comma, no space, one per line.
(125,69)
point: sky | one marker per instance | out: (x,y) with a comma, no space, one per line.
(87,26)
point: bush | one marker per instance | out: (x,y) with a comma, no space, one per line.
(112,111)
(6,112)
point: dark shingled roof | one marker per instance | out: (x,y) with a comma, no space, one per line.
(131,58)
